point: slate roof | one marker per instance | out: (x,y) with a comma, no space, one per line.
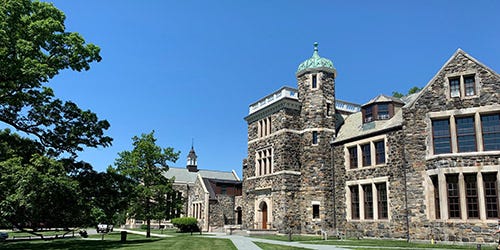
(182,175)
(384,98)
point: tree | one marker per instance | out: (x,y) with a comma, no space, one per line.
(34,47)
(145,165)
(413,90)
(105,195)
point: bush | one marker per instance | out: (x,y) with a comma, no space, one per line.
(186,224)
(144,227)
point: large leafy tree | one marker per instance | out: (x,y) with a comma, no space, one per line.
(145,165)
(34,47)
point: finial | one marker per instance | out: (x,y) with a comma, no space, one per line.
(316,46)
(192,143)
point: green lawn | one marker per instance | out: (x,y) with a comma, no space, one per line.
(112,241)
(267,246)
(371,244)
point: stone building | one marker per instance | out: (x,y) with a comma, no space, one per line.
(425,166)
(211,196)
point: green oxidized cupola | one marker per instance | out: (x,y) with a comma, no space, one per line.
(315,63)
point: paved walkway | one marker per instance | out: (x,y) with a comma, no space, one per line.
(247,243)
(144,233)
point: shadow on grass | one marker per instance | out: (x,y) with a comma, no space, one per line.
(74,244)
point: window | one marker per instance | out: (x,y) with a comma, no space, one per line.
(491,132)
(441,136)
(471,196)
(315,211)
(453,196)
(353,157)
(383,111)
(437,206)
(368,202)
(466,135)
(455,87)
(368,114)
(264,162)
(379,152)
(314,81)
(382,201)
(366,154)
(491,195)
(470,86)
(223,189)
(264,127)
(315,137)
(354,202)
(328,109)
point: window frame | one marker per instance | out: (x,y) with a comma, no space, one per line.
(315,211)
(434,136)
(314,81)
(366,158)
(353,156)
(379,155)
(462,133)
(382,201)
(495,133)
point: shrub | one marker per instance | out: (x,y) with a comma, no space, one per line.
(144,227)
(186,224)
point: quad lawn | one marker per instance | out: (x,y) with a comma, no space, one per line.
(371,244)
(112,241)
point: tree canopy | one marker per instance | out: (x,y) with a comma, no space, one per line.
(413,90)
(145,165)
(34,47)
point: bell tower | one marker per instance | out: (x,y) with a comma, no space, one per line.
(192,164)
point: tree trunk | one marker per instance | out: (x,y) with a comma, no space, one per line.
(148,230)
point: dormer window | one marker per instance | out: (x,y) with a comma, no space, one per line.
(368,114)
(455,87)
(470,86)
(462,86)
(377,111)
(383,111)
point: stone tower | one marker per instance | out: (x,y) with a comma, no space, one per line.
(316,85)
(287,177)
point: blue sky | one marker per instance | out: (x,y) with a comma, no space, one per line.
(190,69)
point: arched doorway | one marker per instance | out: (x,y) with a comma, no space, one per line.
(263,209)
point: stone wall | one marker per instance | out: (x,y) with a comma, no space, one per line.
(221,212)
(417,131)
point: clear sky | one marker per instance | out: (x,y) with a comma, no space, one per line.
(190,69)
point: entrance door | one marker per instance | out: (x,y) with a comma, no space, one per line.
(264,215)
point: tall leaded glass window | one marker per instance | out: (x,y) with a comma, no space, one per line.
(491,195)
(491,131)
(383,212)
(453,196)
(367,158)
(368,202)
(353,157)
(354,202)
(437,206)
(441,136)
(466,134)
(380,152)
(471,196)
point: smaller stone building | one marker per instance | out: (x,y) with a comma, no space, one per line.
(210,196)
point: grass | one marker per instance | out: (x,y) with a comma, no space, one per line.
(268,246)
(134,242)
(371,244)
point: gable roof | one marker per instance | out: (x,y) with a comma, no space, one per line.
(458,52)
(182,175)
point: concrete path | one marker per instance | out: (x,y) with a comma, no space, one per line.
(247,243)
(144,233)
